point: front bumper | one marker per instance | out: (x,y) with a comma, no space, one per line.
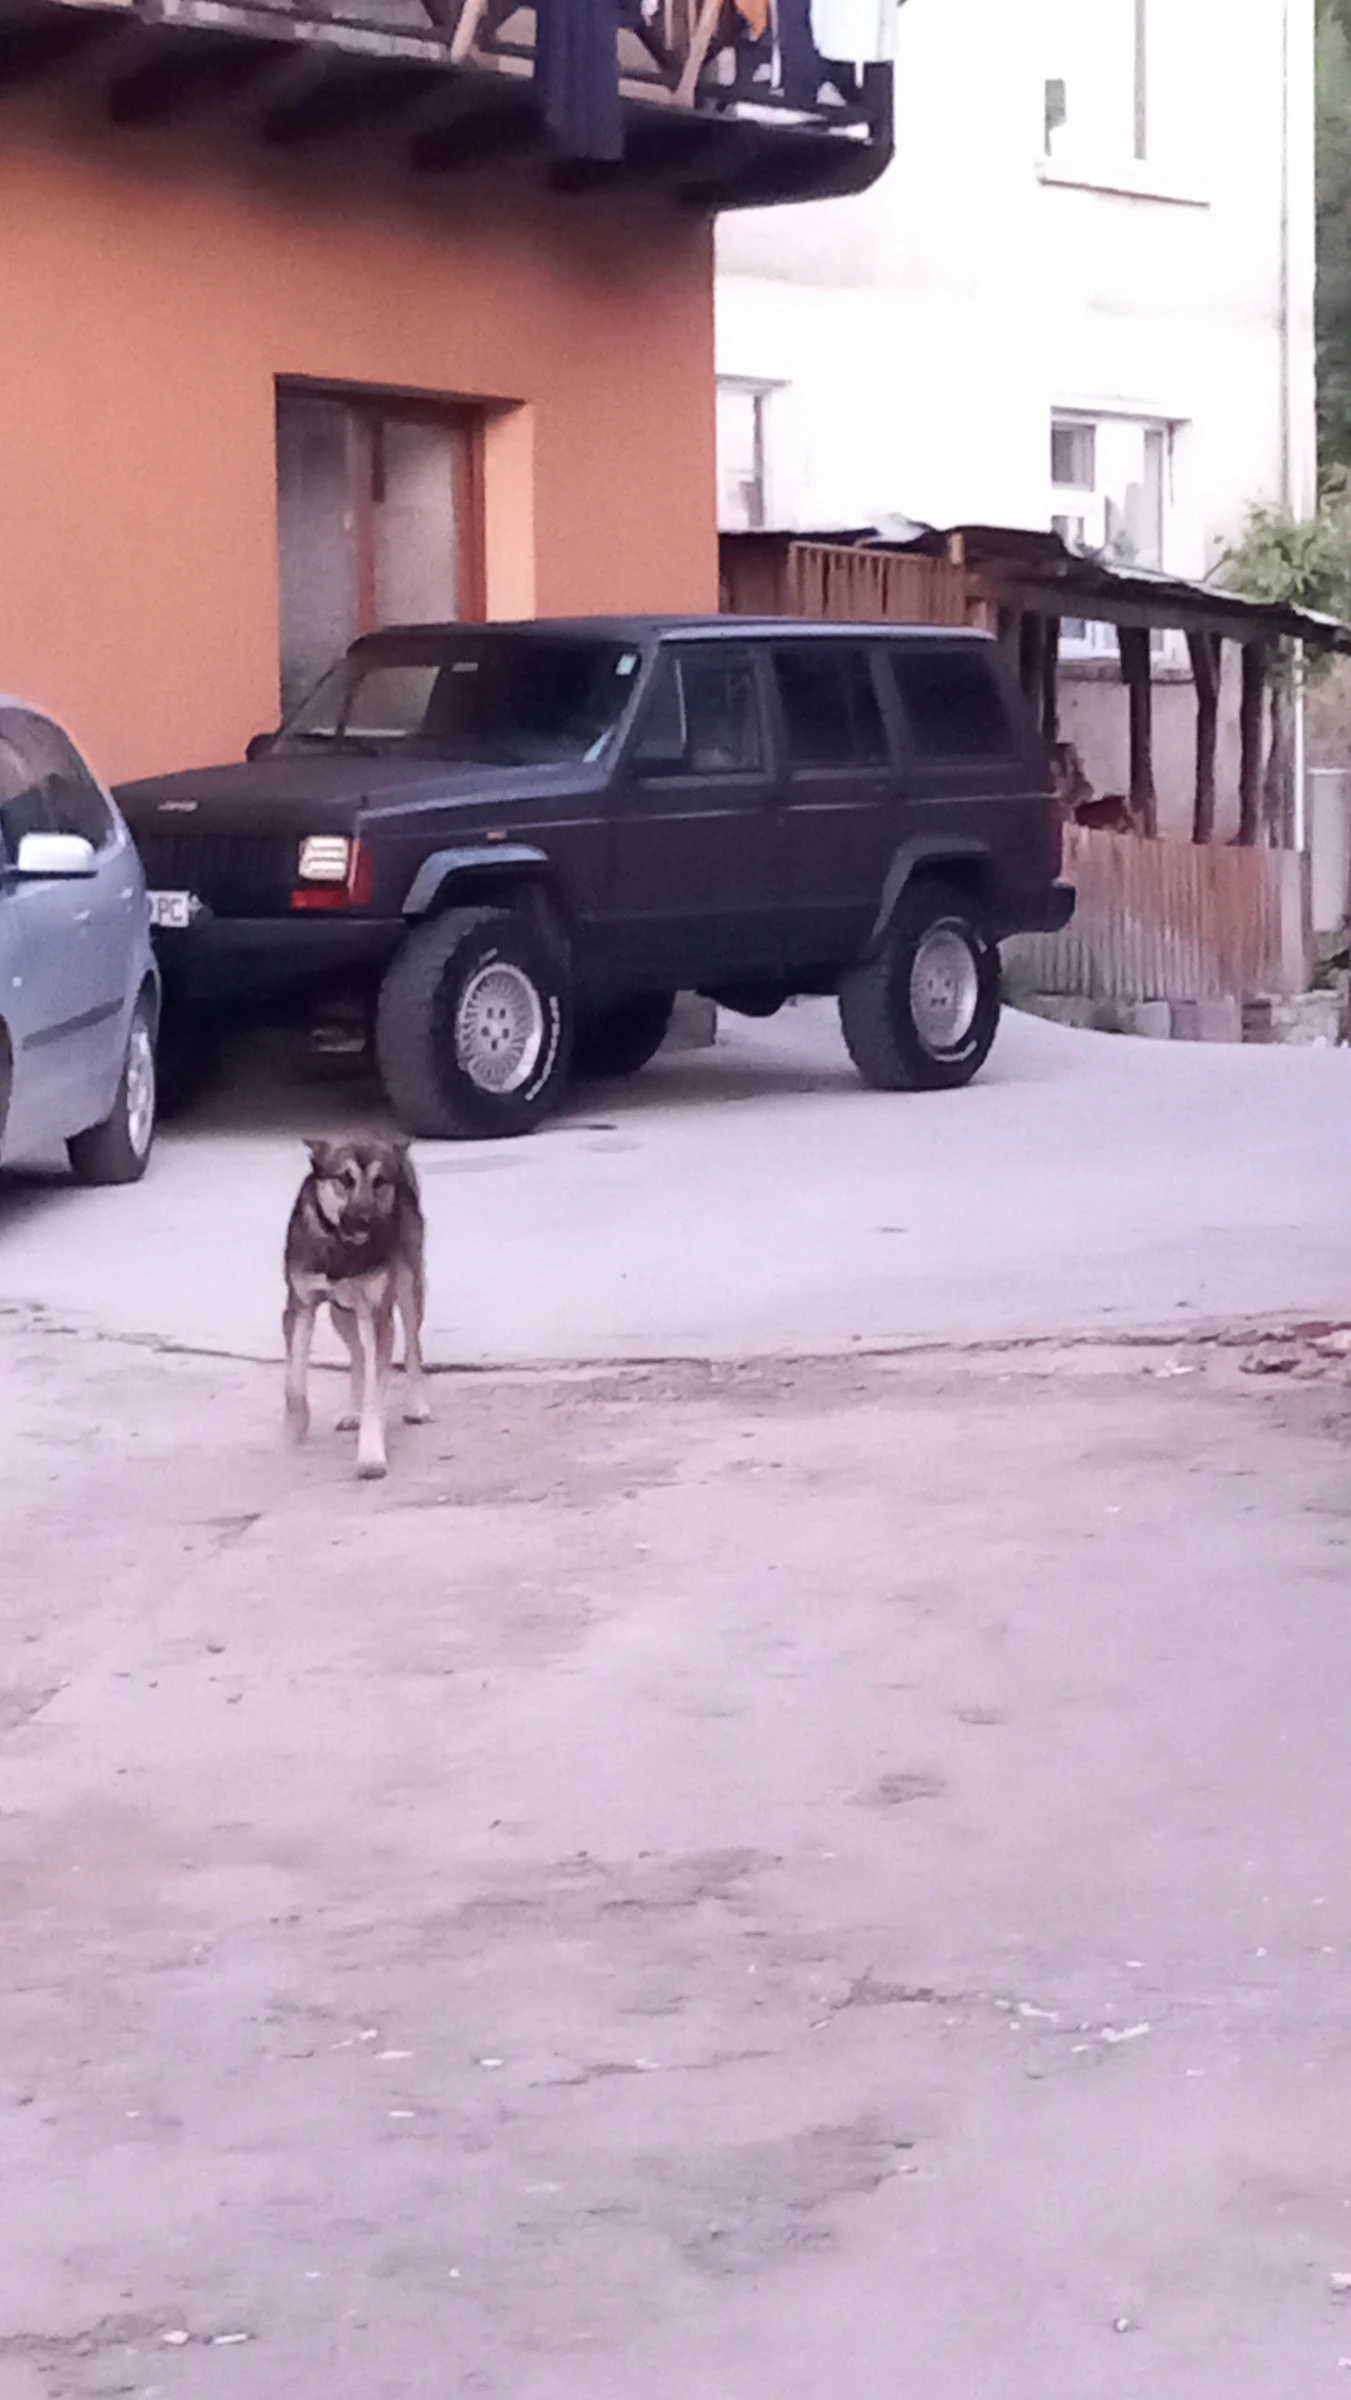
(240,962)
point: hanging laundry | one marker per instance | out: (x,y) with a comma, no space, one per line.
(860,33)
(577,73)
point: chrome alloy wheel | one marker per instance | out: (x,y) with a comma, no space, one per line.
(944,989)
(140,1086)
(499,1029)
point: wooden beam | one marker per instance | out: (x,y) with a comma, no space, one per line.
(1031,645)
(475,137)
(347,100)
(1137,673)
(1252,696)
(701,42)
(1050,680)
(1206,653)
(191,74)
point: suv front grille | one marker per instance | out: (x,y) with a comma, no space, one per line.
(236,874)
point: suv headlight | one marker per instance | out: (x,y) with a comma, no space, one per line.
(324,858)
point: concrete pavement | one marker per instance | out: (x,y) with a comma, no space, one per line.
(818,1882)
(754,1200)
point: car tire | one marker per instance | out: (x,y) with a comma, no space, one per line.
(118,1150)
(187,1059)
(624,1039)
(922,1012)
(473,1029)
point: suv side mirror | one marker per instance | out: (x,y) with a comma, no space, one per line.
(259,746)
(47,855)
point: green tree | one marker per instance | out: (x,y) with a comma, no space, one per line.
(1303,562)
(1334,230)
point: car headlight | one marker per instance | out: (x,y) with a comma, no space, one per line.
(324,858)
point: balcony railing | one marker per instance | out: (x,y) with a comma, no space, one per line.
(727,102)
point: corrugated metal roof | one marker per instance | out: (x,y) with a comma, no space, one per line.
(1041,570)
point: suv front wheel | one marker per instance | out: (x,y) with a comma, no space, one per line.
(474,1026)
(922,1012)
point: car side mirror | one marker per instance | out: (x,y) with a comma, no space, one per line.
(259,746)
(48,855)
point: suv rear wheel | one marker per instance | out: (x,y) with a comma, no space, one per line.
(474,1026)
(922,1013)
(623,1039)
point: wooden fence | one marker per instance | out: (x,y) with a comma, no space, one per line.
(769,576)
(1157,920)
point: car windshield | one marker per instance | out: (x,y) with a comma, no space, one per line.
(484,699)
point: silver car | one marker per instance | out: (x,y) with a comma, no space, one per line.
(79,990)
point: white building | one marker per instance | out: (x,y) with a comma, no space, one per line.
(1081,296)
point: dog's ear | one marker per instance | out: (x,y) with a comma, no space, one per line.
(400,1144)
(321,1155)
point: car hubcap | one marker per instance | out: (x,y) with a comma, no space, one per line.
(944,988)
(140,1087)
(499,1029)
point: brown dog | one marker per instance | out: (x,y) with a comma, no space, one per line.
(355,1244)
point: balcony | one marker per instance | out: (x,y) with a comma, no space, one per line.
(717,103)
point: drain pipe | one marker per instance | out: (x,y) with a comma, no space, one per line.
(1296,27)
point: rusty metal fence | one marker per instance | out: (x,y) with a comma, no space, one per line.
(1158,920)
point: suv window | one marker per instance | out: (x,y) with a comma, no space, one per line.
(830,711)
(953,702)
(701,716)
(45,786)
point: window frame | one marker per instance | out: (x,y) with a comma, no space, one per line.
(674,653)
(70,765)
(759,394)
(368,409)
(965,763)
(839,644)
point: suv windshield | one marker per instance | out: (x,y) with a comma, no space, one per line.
(486,699)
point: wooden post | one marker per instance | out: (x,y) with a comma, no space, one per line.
(1030,655)
(1133,643)
(1050,680)
(1250,742)
(1206,654)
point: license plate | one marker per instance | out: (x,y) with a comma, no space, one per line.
(171,908)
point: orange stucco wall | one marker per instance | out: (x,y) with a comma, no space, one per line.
(152,289)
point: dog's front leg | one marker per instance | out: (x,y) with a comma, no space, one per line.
(298,1328)
(375,1333)
(411,1303)
(345,1320)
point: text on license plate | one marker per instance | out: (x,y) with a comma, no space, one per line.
(171,908)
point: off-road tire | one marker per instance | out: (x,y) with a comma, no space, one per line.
(877,1014)
(428,1087)
(118,1150)
(624,1039)
(187,1059)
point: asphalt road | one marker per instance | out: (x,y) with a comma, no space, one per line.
(754,1200)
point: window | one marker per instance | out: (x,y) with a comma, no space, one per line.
(372,522)
(701,716)
(1109,495)
(830,711)
(1096,90)
(492,697)
(742,498)
(45,786)
(952,701)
